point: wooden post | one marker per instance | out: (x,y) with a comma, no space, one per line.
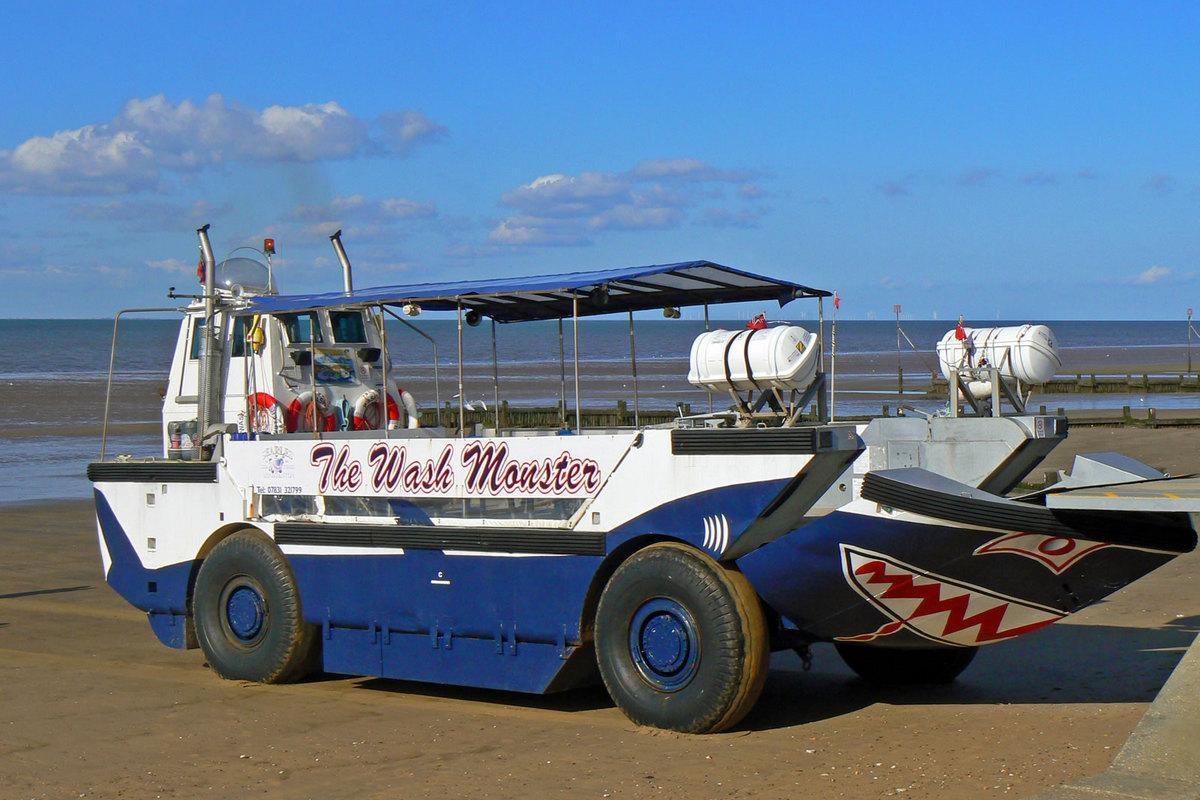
(899,367)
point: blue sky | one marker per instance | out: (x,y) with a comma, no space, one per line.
(1023,160)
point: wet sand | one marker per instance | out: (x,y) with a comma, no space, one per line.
(93,706)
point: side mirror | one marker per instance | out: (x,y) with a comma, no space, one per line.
(301,358)
(369,355)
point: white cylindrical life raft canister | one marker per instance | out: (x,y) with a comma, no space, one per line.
(1027,353)
(782,357)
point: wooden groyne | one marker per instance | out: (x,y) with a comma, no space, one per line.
(1097,383)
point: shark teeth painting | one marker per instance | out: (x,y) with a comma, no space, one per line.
(936,607)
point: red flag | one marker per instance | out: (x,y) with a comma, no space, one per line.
(837,300)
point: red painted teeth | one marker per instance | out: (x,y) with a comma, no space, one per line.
(937,607)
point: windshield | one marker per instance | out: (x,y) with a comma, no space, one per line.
(247,273)
(301,328)
(347,327)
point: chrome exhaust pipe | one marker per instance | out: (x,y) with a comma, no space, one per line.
(344,260)
(209,383)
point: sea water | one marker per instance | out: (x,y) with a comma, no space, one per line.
(62,355)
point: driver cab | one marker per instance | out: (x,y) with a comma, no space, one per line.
(321,370)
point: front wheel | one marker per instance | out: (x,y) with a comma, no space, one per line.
(681,641)
(896,666)
(247,613)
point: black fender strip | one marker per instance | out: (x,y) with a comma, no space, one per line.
(549,541)
(162,471)
(958,502)
(748,441)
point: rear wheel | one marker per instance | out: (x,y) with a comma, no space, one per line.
(247,613)
(681,641)
(896,666)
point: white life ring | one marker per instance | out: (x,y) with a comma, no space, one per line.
(367,410)
(265,414)
(410,408)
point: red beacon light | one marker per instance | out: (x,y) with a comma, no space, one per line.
(269,246)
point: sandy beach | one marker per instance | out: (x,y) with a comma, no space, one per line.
(95,707)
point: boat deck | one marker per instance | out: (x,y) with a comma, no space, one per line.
(1168,494)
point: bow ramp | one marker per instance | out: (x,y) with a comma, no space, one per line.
(921,559)
(1150,513)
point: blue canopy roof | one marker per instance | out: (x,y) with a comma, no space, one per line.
(688,283)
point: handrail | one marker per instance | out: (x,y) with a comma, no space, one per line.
(437,393)
(112,358)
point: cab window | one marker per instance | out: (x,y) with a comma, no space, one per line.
(301,328)
(347,327)
(197,337)
(237,344)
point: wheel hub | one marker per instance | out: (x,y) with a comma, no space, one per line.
(245,612)
(664,644)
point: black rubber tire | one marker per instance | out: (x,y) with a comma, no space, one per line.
(896,666)
(732,635)
(286,649)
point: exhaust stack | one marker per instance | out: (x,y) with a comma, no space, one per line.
(209,410)
(344,260)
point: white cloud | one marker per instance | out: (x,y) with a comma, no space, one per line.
(361,217)
(560,209)
(149,215)
(151,135)
(1152,275)
(357,205)
(403,130)
(403,208)
(726,218)
(171,265)
(689,169)
(525,230)
(560,195)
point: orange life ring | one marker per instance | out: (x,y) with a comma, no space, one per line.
(307,410)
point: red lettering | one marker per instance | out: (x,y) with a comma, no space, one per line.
(339,472)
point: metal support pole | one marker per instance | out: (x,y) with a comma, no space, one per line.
(112,360)
(633,362)
(562,375)
(833,366)
(706,329)
(575,333)
(462,412)
(823,394)
(437,383)
(249,403)
(312,371)
(994,374)
(495,378)
(899,366)
(387,364)
(1189,316)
